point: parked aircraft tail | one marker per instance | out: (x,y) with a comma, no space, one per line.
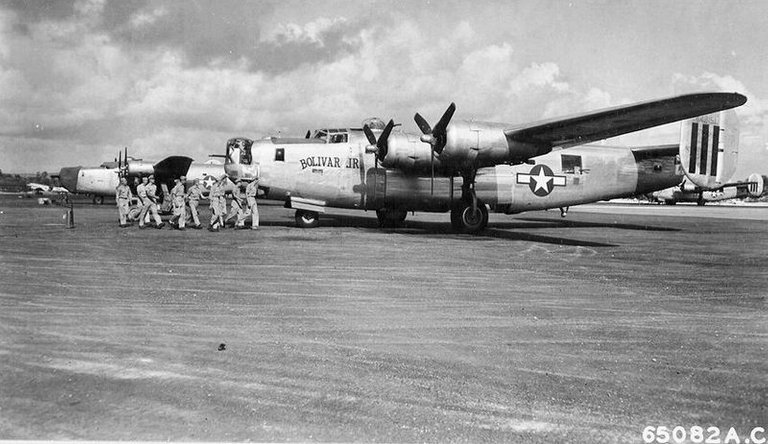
(756,184)
(709,148)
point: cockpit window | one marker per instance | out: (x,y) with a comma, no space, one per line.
(338,138)
(332,135)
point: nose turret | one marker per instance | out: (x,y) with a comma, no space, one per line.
(68,178)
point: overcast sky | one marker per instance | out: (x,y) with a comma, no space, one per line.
(81,79)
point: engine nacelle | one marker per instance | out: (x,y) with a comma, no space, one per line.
(482,144)
(140,168)
(757,183)
(407,152)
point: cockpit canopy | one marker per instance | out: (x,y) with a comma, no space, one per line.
(332,135)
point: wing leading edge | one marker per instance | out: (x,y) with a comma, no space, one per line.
(589,127)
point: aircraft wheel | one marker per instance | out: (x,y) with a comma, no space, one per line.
(98,200)
(307,219)
(464,220)
(389,218)
(133,213)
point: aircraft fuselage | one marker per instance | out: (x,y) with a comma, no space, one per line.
(344,175)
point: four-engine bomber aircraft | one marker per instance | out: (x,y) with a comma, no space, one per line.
(102,181)
(467,166)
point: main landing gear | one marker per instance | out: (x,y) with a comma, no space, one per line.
(466,218)
(307,219)
(98,200)
(469,215)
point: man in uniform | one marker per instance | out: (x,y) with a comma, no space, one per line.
(250,196)
(147,194)
(238,205)
(194,194)
(177,196)
(123,196)
(223,182)
(214,198)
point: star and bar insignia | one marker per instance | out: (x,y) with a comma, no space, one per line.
(208,181)
(541,180)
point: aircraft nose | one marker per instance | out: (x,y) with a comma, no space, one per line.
(68,178)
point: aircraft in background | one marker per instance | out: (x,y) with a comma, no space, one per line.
(101,181)
(467,167)
(40,189)
(754,186)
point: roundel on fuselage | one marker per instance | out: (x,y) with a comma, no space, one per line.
(541,180)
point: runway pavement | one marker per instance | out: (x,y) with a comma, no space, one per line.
(584,329)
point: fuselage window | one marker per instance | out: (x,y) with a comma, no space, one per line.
(280,155)
(571,164)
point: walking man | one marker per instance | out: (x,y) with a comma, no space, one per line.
(193,195)
(250,196)
(123,196)
(214,199)
(146,192)
(177,197)
(238,205)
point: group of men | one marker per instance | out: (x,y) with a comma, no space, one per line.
(243,203)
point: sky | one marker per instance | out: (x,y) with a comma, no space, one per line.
(81,79)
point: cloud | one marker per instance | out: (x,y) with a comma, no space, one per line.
(164,77)
(147,17)
(312,32)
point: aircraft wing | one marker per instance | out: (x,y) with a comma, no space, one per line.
(602,124)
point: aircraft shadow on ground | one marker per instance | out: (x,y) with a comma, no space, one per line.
(443,229)
(550,223)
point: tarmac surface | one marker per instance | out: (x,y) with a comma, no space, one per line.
(584,329)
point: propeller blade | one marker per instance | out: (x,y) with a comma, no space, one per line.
(308,134)
(422,124)
(369,135)
(436,136)
(432,166)
(119,161)
(383,138)
(442,125)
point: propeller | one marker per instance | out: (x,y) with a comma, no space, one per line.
(436,137)
(122,163)
(381,144)
(308,134)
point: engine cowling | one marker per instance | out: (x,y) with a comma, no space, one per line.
(407,152)
(482,144)
(140,168)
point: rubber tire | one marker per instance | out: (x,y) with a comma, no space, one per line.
(390,218)
(463,221)
(307,219)
(98,200)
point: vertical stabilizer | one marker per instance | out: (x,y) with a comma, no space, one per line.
(709,148)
